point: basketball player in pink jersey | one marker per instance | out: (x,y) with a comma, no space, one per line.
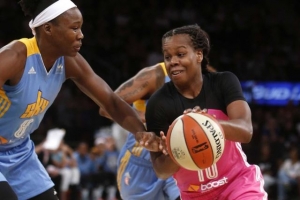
(186,52)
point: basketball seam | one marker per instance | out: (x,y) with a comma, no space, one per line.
(169,142)
(212,151)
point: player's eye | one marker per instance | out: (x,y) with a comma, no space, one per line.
(167,57)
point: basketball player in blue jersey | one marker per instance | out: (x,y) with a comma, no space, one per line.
(32,73)
(136,178)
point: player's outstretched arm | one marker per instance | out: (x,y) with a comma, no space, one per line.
(140,86)
(78,70)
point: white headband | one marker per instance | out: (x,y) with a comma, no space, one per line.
(50,13)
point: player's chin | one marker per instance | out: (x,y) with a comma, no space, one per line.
(73,54)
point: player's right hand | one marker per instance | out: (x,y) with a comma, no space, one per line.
(148,140)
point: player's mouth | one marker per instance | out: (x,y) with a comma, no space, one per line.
(77,48)
(176,72)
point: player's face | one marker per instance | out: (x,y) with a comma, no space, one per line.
(181,59)
(67,34)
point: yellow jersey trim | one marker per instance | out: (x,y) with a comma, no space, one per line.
(163,66)
(31,45)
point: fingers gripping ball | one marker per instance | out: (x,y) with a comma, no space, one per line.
(195,141)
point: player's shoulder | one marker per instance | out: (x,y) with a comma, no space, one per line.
(14,54)
(220,75)
(15,48)
(156,68)
(219,78)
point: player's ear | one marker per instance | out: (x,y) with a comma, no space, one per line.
(199,56)
(47,28)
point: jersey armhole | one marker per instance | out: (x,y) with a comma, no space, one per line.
(31,46)
(163,66)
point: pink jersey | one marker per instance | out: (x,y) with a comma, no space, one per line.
(231,178)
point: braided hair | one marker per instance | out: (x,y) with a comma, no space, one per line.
(199,39)
(34,7)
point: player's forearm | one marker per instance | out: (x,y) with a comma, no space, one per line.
(237,130)
(124,115)
(163,165)
(103,113)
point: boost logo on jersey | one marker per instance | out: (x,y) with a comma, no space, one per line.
(214,184)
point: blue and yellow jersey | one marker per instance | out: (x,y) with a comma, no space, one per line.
(22,107)
(131,143)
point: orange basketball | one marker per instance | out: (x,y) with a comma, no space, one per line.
(195,141)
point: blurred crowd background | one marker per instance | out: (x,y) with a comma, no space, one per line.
(257,40)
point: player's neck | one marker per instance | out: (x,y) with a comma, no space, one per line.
(192,90)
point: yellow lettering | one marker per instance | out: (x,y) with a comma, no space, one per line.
(44,105)
(4,102)
(36,108)
(29,111)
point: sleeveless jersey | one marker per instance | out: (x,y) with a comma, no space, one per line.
(131,143)
(22,107)
(232,177)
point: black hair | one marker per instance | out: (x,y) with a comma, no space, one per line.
(34,7)
(199,39)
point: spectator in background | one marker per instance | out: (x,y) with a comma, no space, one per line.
(86,168)
(107,168)
(44,155)
(45,149)
(268,167)
(65,164)
(271,127)
(289,174)
(96,153)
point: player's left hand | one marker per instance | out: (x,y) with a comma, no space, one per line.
(163,143)
(196,109)
(148,140)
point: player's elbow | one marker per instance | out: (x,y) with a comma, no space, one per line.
(248,135)
(102,112)
(162,175)
(165,171)
(161,166)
